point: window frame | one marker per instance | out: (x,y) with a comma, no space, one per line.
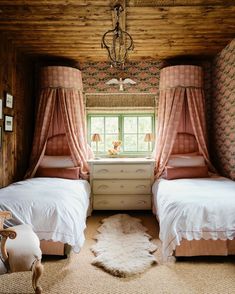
(121,131)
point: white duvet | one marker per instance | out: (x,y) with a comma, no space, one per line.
(194,209)
(55,208)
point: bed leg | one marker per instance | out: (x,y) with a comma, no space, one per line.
(37,272)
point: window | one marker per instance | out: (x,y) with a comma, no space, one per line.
(129,128)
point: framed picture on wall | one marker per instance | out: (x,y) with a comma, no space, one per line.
(8,125)
(0,108)
(9,100)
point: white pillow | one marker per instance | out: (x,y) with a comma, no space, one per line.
(186,160)
(57,161)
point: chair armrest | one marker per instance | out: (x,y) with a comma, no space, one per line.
(4,215)
(6,233)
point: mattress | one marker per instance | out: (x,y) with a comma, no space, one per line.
(55,208)
(194,209)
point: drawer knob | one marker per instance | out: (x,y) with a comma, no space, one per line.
(142,202)
(121,186)
(103,171)
(122,171)
(140,186)
(103,187)
(140,170)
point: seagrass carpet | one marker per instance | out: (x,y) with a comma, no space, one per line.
(77,275)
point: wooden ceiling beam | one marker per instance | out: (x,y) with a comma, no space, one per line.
(54,10)
(27,34)
(54,23)
(221,42)
(154,29)
(48,28)
(55,2)
(179,11)
(96,43)
(79,12)
(139,3)
(96,49)
(106,24)
(157,3)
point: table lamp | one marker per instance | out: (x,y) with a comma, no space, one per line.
(149,137)
(96,138)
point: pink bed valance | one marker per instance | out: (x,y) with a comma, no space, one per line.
(60,119)
(181,110)
(61,76)
(181,76)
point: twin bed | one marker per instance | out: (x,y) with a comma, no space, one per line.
(196,216)
(56,208)
(195,208)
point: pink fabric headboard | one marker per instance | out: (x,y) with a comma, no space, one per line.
(184,143)
(57,145)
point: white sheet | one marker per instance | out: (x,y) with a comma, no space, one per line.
(194,209)
(55,208)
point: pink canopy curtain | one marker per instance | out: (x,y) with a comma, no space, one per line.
(181,96)
(61,110)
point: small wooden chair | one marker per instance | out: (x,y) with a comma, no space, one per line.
(20,248)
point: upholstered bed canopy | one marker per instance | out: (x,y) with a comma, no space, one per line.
(60,124)
(181,114)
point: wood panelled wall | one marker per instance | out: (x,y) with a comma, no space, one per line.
(16,77)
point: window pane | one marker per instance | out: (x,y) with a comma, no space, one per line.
(111,125)
(145,125)
(97,125)
(142,146)
(130,142)
(100,146)
(130,124)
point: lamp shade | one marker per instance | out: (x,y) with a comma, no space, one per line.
(149,137)
(96,138)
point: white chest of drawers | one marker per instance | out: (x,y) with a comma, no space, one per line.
(121,183)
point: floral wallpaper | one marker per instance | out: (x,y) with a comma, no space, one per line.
(223,110)
(144,73)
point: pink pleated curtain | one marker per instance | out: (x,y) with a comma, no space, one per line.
(181,94)
(61,110)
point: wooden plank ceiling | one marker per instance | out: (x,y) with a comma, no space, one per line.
(160,28)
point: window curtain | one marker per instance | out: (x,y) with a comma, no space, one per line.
(61,108)
(181,91)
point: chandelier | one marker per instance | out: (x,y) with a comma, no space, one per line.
(116,41)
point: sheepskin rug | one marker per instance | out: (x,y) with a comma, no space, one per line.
(123,247)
